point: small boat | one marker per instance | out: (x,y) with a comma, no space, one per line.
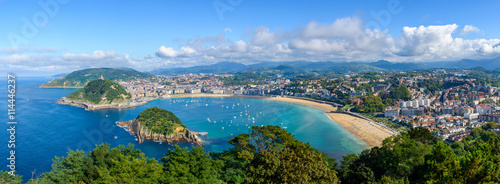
(186,104)
(206,104)
(215,121)
(222,128)
(116,137)
(285,127)
(208,119)
(106,115)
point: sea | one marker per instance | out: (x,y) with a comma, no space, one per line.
(45,129)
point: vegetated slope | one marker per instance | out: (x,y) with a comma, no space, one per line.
(160,121)
(101,91)
(81,77)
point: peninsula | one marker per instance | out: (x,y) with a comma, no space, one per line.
(155,124)
(100,94)
(80,78)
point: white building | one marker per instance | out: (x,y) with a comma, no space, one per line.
(391,111)
(471,116)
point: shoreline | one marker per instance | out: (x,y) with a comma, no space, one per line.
(371,134)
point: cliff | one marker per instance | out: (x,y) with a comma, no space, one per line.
(142,133)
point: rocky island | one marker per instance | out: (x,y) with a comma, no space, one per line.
(155,124)
(100,94)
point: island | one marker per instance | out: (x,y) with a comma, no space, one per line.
(101,94)
(80,78)
(160,125)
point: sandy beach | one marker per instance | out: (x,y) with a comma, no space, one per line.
(370,133)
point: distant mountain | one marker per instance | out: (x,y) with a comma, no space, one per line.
(80,78)
(356,68)
(395,66)
(222,67)
(329,66)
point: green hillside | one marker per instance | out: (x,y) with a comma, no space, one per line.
(101,91)
(81,77)
(356,68)
(160,121)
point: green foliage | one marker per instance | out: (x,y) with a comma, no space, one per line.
(6,178)
(159,120)
(96,90)
(80,78)
(195,166)
(436,85)
(400,93)
(276,157)
(370,105)
(418,156)
(104,165)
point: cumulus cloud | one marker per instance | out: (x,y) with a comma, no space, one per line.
(169,52)
(64,62)
(344,39)
(469,29)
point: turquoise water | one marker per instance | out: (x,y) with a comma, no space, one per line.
(47,129)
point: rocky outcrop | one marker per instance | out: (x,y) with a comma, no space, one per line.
(143,134)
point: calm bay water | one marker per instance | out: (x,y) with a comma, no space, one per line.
(46,129)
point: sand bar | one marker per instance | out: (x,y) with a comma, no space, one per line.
(370,133)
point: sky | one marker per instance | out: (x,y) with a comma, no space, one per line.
(49,37)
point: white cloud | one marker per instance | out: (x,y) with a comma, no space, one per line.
(165,52)
(65,62)
(345,39)
(228,29)
(468,29)
(169,52)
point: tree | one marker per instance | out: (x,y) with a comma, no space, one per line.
(104,165)
(370,105)
(276,157)
(400,93)
(6,178)
(441,165)
(190,166)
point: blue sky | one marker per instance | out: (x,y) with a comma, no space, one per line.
(147,35)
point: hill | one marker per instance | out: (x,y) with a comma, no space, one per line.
(80,78)
(329,66)
(101,91)
(160,121)
(222,67)
(157,124)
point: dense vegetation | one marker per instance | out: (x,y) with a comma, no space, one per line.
(432,85)
(96,90)
(159,120)
(272,155)
(80,78)
(420,157)
(400,92)
(371,104)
